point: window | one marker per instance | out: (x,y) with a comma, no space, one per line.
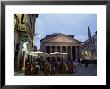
(22,18)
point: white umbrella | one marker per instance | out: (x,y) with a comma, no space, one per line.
(55,53)
(64,53)
(58,54)
(38,53)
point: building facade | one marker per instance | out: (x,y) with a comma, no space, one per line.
(62,43)
(24,30)
(89,49)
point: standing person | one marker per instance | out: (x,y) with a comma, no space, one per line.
(86,63)
(58,66)
(41,66)
(46,68)
(74,67)
(61,67)
(80,61)
(66,68)
(50,68)
(37,66)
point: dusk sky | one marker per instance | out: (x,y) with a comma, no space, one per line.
(69,24)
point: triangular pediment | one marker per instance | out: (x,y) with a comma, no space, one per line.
(62,38)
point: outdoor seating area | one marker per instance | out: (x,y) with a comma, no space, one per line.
(48,67)
(55,51)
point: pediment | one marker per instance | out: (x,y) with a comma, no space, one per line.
(62,39)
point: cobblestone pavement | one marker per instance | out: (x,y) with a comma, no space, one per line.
(81,70)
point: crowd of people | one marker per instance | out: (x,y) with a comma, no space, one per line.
(50,67)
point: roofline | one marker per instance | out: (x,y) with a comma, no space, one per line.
(60,35)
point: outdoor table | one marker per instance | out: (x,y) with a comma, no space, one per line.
(74,68)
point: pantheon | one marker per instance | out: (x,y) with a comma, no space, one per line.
(62,43)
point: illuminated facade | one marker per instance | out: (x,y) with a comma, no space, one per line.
(24,30)
(62,43)
(89,49)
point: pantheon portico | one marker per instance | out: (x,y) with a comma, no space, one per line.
(62,43)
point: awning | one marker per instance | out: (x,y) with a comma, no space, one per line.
(55,54)
(39,53)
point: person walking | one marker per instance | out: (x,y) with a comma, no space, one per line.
(80,62)
(86,63)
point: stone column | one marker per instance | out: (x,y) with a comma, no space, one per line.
(50,52)
(66,49)
(66,54)
(61,49)
(56,49)
(79,51)
(50,49)
(76,52)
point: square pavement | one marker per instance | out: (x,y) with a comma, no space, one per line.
(81,70)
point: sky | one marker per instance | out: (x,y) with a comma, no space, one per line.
(69,24)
